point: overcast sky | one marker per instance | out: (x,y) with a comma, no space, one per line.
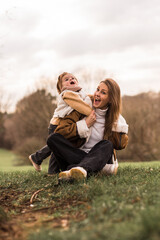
(46,37)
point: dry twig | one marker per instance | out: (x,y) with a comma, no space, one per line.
(34,194)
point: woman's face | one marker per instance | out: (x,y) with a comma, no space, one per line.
(101,96)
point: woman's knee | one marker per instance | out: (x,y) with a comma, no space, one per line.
(110,144)
(107,143)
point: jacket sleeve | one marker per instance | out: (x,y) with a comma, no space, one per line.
(119,140)
(68,128)
(67,125)
(119,136)
(120,125)
(75,102)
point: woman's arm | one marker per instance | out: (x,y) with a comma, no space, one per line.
(75,125)
(67,127)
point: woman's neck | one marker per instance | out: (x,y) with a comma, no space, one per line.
(101,112)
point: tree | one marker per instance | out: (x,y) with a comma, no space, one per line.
(142,113)
(28,125)
(5,103)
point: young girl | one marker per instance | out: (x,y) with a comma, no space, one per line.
(67,86)
(104,130)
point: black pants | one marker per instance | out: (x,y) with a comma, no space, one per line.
(45,152)
(69,156)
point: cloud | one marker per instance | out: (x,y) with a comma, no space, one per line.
(40,38)
(112,26)
(18,45)
(151,64)
(115,11)
(118,26)
(110,39)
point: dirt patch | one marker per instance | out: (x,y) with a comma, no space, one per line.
(25,218)
(7,196)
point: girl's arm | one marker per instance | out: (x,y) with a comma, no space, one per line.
(75,102)
(74,126)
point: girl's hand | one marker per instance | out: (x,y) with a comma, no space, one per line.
(90,120)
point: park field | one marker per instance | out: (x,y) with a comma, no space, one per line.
(121,207)
(8,162)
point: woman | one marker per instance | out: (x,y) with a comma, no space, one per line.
(104,130)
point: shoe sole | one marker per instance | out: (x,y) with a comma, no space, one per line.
(36,166)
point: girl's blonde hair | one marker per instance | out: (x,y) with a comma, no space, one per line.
(114,105)
(59,82)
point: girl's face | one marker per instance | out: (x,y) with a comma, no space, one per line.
(101,96)
(69,80)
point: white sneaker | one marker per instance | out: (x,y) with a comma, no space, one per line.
(37,167)
(110,169)
(64,175)
(77,173)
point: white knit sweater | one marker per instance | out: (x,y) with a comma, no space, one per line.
(95,133)
(97,130)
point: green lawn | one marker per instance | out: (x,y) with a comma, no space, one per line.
(121,207)
(6,158)
(8,162)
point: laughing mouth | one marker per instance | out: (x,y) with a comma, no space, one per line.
(97,100)
(72,82)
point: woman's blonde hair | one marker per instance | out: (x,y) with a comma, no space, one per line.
(114,105)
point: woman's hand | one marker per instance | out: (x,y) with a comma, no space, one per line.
(90,120)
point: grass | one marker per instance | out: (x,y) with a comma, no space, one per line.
(8,162)
(121,207)
(124,206)
(6,158)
